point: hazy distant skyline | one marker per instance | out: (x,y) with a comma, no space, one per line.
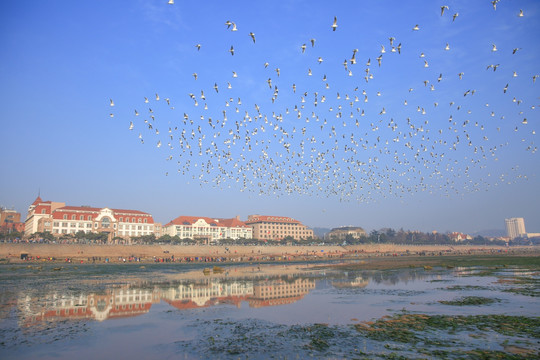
(448,160)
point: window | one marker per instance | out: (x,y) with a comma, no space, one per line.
(43,211)
(65,217)
(88,225)
(55,224)
(132,220)
(121,219)
(139,220)
(73,217)
(105,222)
(145,221)
(89,217)
(81,217)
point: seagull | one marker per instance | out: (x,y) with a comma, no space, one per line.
(232,50)
(112,103)
(198,46)
(234,27)
(494,47)
(252,36)
(228,23)
(520,13)
(515,50)
(303,48)
(455,16)
(171,2)
(131,125)
(334,25)
(416,28)
(195,75)
(461,75)
(443,8)
(447,47)
(216,87)
(312,42)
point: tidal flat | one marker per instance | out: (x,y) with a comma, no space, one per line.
(337,310)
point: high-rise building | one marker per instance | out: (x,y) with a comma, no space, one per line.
(515,227)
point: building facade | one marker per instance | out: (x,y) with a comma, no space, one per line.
(277,228)
(342,233)
(59,219)
(515,227)
(10,220)
(207,229)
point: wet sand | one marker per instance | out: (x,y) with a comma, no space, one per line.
(149,253)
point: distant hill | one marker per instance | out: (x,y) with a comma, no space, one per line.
(320,232)
(490,233)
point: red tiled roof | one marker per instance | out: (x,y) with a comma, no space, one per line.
(93,212)
(282,219)
(234,222)
(94,209)
(37,201)
(190,220)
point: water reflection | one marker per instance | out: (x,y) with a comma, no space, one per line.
(134,300)
(62,301)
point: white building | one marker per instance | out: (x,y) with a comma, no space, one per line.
(515,227)
(59,219)
(207,229)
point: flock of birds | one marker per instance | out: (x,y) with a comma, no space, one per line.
(327,141)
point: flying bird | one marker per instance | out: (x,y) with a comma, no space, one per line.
(334,25)
(252,36)
(443,8)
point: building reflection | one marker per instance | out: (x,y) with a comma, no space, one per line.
(131,300)
(357,282)
(111,304)
(280,292)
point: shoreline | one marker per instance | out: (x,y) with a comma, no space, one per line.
(11,252)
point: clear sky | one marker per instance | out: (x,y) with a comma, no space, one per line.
(404,144)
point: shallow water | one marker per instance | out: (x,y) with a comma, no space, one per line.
(170,311)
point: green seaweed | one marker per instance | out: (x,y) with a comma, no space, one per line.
(469,300)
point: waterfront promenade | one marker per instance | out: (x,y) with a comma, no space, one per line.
(11,253)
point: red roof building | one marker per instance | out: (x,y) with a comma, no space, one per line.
(207,229)
(277,228)
(59,219)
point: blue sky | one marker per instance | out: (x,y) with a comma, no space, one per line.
(446,161)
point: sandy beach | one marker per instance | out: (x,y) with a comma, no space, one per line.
(149,253)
